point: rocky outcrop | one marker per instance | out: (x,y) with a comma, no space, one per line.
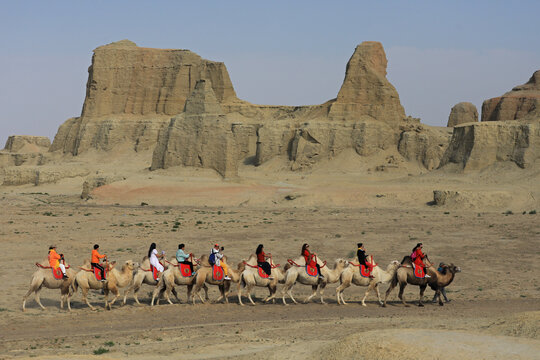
(131,94)
(94,182)
(200,136)
(477,146)
(422,143)
(27,144)
(461,113)
(516,104)
(365,90)
(36,175)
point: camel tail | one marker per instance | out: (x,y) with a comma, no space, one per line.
(242,280)
(74,285)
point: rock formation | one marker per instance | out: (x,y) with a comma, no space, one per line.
(515,104)
(27,144)
(461,113)
(131,94)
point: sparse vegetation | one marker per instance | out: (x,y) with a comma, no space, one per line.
(100,351)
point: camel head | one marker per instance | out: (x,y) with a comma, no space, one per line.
(341,263)
(393,265)
(453,268)
(241,266)
(129,265)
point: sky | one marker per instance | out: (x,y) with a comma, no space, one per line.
(277,52)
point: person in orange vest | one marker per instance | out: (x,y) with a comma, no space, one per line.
(54,260)
(96,256)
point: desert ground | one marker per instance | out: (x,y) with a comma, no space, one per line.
(493,237)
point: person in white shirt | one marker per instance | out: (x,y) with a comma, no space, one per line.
(216,257)
(154,258)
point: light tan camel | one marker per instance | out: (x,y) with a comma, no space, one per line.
(249,278)
(86,280)
(43,277)
(351,275)
(171,277)
(405,275)
(142,276)
(297,273)
(204,275)
(118,279)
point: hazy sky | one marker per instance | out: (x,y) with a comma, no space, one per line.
(277,52)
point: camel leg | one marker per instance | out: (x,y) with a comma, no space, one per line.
(273,291)
(321,291)
(240,288)
(371,285)
(378,293)
(249,288)
(438,293)
(85,298)
(116,296)
(401,297)
(205,288)
(389,290)
(313,293)
(38,300)
(422,289)
(168,291)
(339,292)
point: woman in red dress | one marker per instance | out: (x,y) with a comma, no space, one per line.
(310,259)
(417,256)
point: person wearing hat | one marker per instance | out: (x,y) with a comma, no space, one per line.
(417,256)
(54,260)
(216,257)
(96,256)
(361,254)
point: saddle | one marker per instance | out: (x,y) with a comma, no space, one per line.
(312,270)
(154,271)
(185,270)
(419,271)
(217,273)
(97,273)
(57,273)
(365,271)
(263,273)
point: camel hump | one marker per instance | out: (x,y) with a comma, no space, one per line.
(252,259)
(406,260)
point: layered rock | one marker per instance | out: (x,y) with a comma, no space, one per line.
(27,144)
(479,145)
(365,90)
(131,94)
(515,104)
(461,113)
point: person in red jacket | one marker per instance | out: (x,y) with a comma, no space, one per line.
(310,259)
(417,256)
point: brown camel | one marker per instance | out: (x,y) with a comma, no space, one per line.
(351,275)
(297,273)
(142,276)
(250,278)
(43,277)
(171,277)
(204,275)
(118,279)
(405,275)
(87,280)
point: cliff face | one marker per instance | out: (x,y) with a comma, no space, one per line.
(462,113)
(515,104)
(131,94)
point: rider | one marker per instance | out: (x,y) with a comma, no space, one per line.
(417,256)
(154,259)
(309,257)
(261,260)
(182,257)
(217,256)
(96,256)
(54,260)
(361,254)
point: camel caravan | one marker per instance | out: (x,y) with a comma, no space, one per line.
(259,270)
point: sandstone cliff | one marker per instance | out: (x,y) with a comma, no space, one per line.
(462,113)
(515,104)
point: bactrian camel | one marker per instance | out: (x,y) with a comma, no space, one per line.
(86,280)
(118,279)
(143,276)
(204,275)
(297,273)
(351,275)
(43,277)
(405,275)
(171,277)
(249,278)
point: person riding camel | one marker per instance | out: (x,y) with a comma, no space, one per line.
(417,256)
(310,259)
(57,261)
(216,257)
(361,254)
(184,258)
(154,259)
(96,256)
(261,260)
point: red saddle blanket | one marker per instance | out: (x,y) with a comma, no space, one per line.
(419,271)
(97,273)
(154,271)
(57,273)
(365,271)
(185,270)
(217,273)
(263,273)
(312,270)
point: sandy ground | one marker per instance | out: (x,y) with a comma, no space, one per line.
(495,307)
